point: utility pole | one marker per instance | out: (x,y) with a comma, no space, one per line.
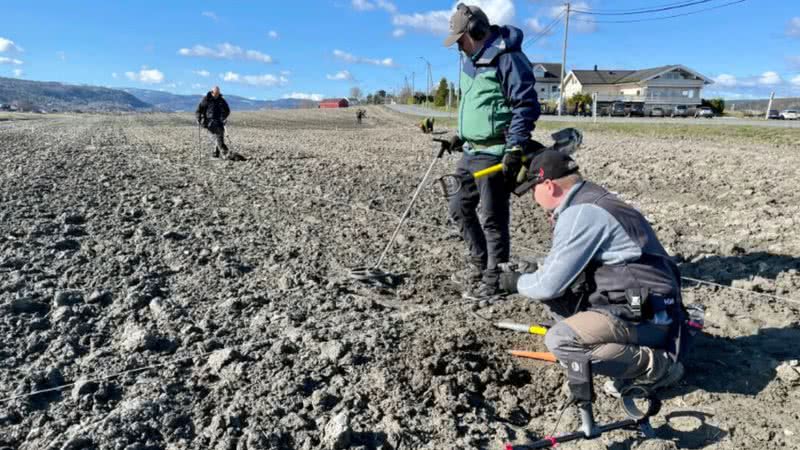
(413,89)
(594,107)
(769,105)
(563,63)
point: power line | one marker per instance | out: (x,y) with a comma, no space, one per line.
(663,17)
(661,8)
(545,31)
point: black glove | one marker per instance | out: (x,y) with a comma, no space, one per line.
(508,281)
(512,164)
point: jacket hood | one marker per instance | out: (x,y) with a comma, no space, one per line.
(503,39)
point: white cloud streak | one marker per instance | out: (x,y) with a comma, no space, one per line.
(438,21)
(211,15)
(203,73)
(398,32)
(796,81)
(793,27)
(304,96)
(146,76)
(344,75)
(17,73)
(226,51)
(265,80)
(350,58)
(7,45)
(273,34)
(10,61)
(770,79)
(367,5)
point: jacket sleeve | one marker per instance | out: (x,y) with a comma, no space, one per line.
(519,88)
(579,235)
(226,110)
(201,109)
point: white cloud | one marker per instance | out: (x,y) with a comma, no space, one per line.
(197,86)
(398,32)
(62,56)
(7,45)
(114,75)
(273,34)
(211,15)
(432,21)
(226,51)
(581,23)
(793,27)
(304,96)
(17,73)
(438,22)
(203,73)
(796,81)
(770,79)
(344,75)
(14,61)
(537,27)
(350,58)
(286,73)
(146,76)
(267,80)
(366,5)
(726,80)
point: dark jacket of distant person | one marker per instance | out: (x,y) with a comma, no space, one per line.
(212,112)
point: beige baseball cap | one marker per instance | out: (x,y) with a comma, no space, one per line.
(459,22)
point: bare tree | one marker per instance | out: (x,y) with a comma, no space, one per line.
(355,92)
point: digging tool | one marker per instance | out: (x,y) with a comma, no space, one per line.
(374,275)
(541,356)
(567,140)
(532,329)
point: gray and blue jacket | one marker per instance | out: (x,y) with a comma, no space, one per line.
(499,104)
(612,244)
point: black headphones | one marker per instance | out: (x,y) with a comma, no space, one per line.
(477,28)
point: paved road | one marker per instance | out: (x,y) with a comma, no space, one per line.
(422,111)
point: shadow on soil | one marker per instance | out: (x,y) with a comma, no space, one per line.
(725,269)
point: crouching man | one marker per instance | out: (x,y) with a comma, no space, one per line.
(610,286)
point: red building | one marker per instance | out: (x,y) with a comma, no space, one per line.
(334,103)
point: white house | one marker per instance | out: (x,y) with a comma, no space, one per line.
(548,78)
(664,86)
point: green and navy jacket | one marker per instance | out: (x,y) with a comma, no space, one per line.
(499,104)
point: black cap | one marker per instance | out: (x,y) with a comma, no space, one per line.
(547,165)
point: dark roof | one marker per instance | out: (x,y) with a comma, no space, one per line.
(619,76)
(551,70)
(601,76)
(332,100)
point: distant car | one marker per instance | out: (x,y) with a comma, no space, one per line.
(790,114)
(657,112)
(636,109)
(704,111)
(773,114)
(679,111)
(614,109)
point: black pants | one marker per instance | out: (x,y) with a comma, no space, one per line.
(218,131)
(490,244)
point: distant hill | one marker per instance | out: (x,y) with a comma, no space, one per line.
(761,105)
(50,96)
(167,101)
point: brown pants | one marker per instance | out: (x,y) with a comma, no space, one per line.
(614,346)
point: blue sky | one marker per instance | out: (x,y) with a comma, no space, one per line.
(314,48)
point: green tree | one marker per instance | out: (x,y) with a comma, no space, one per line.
(716,104)
(441,93)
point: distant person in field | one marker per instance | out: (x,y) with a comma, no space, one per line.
(212,113)
(360,114)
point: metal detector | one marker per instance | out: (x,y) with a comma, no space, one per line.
(567,140)
(374,275)
(638,403)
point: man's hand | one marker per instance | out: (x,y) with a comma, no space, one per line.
(508,281)
(512,164)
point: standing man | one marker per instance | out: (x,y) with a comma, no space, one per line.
(612,289)
(212,112)
(496,116)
